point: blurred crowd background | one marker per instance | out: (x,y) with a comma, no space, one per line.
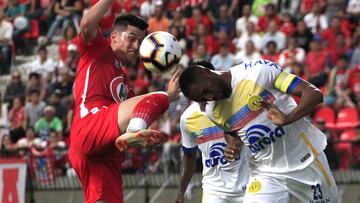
(318,40)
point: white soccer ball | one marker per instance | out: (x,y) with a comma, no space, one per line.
(160,52)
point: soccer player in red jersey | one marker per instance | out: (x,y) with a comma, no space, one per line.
(106,120)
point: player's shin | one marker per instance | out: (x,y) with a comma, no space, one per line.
(144,114)
(147,111)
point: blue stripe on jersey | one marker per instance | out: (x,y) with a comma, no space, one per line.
(294,83)
(189,150)
(245,110)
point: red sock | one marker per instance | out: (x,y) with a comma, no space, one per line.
(151,107)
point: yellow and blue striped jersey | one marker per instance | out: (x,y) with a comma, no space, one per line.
(220,177)
(273,148)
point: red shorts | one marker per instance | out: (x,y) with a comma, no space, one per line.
(94,157)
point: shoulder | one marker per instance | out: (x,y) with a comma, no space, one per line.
(189,110)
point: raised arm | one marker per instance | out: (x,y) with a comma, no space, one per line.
(310,98)
(90,21)
(188,164)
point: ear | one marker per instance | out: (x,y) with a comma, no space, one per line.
(113,36)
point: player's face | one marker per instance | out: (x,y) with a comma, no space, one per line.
(212,88)
(127,42)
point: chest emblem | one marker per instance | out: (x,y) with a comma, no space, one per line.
(119,90)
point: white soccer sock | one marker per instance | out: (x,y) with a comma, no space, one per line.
(136,124)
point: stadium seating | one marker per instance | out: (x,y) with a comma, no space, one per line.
(326,114)
(344,148)
(347,118)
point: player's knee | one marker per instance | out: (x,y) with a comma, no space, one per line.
(161,99)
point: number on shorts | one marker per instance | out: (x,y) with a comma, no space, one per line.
(317,191)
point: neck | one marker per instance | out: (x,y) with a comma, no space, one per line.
(227,77)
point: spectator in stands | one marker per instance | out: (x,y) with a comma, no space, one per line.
(40,10)
(223,60)
(26,143)
(274,35)
(146,9)
(4,121)
(223,38)
(55,102)
(176,32)
(315,64)
(66,12)
(270,15)
(159,22)
(353,8)
(68,36)
(72,60)
(333,7)
(293,54)
(202,36)
(242,22)
(315,20)
(43,65)
(298,70)
(195,20)
(15,11)
(64,84)
(329,34)
(353,84)
(212,8)
(55,142)
(270,52)
(336,86)
(303,35)
(287,27)
(292,7)
(8,148)
(15,87)
(17,119)
(337,48)
(249,34)
(200,54)
(48,122)
(258,7)
(355,58)
(225,22)
(34,108)
(247,54)
(179,21)
(6,33)
(34,83)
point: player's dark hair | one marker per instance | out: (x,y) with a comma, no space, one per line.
(205,64)
(192,74)
(125,20)
(188,77)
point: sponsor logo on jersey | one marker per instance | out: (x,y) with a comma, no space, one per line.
(216,155)
(259,136)
(255,186)
(118,89)
(254,102)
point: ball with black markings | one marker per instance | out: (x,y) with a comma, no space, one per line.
(160,52)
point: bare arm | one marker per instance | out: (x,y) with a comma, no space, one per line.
(89,22)
(310,98)
(188,164)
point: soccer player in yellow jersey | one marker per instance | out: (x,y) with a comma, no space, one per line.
(253,101)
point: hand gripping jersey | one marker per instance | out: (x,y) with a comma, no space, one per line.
(220,177)
(274,149)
